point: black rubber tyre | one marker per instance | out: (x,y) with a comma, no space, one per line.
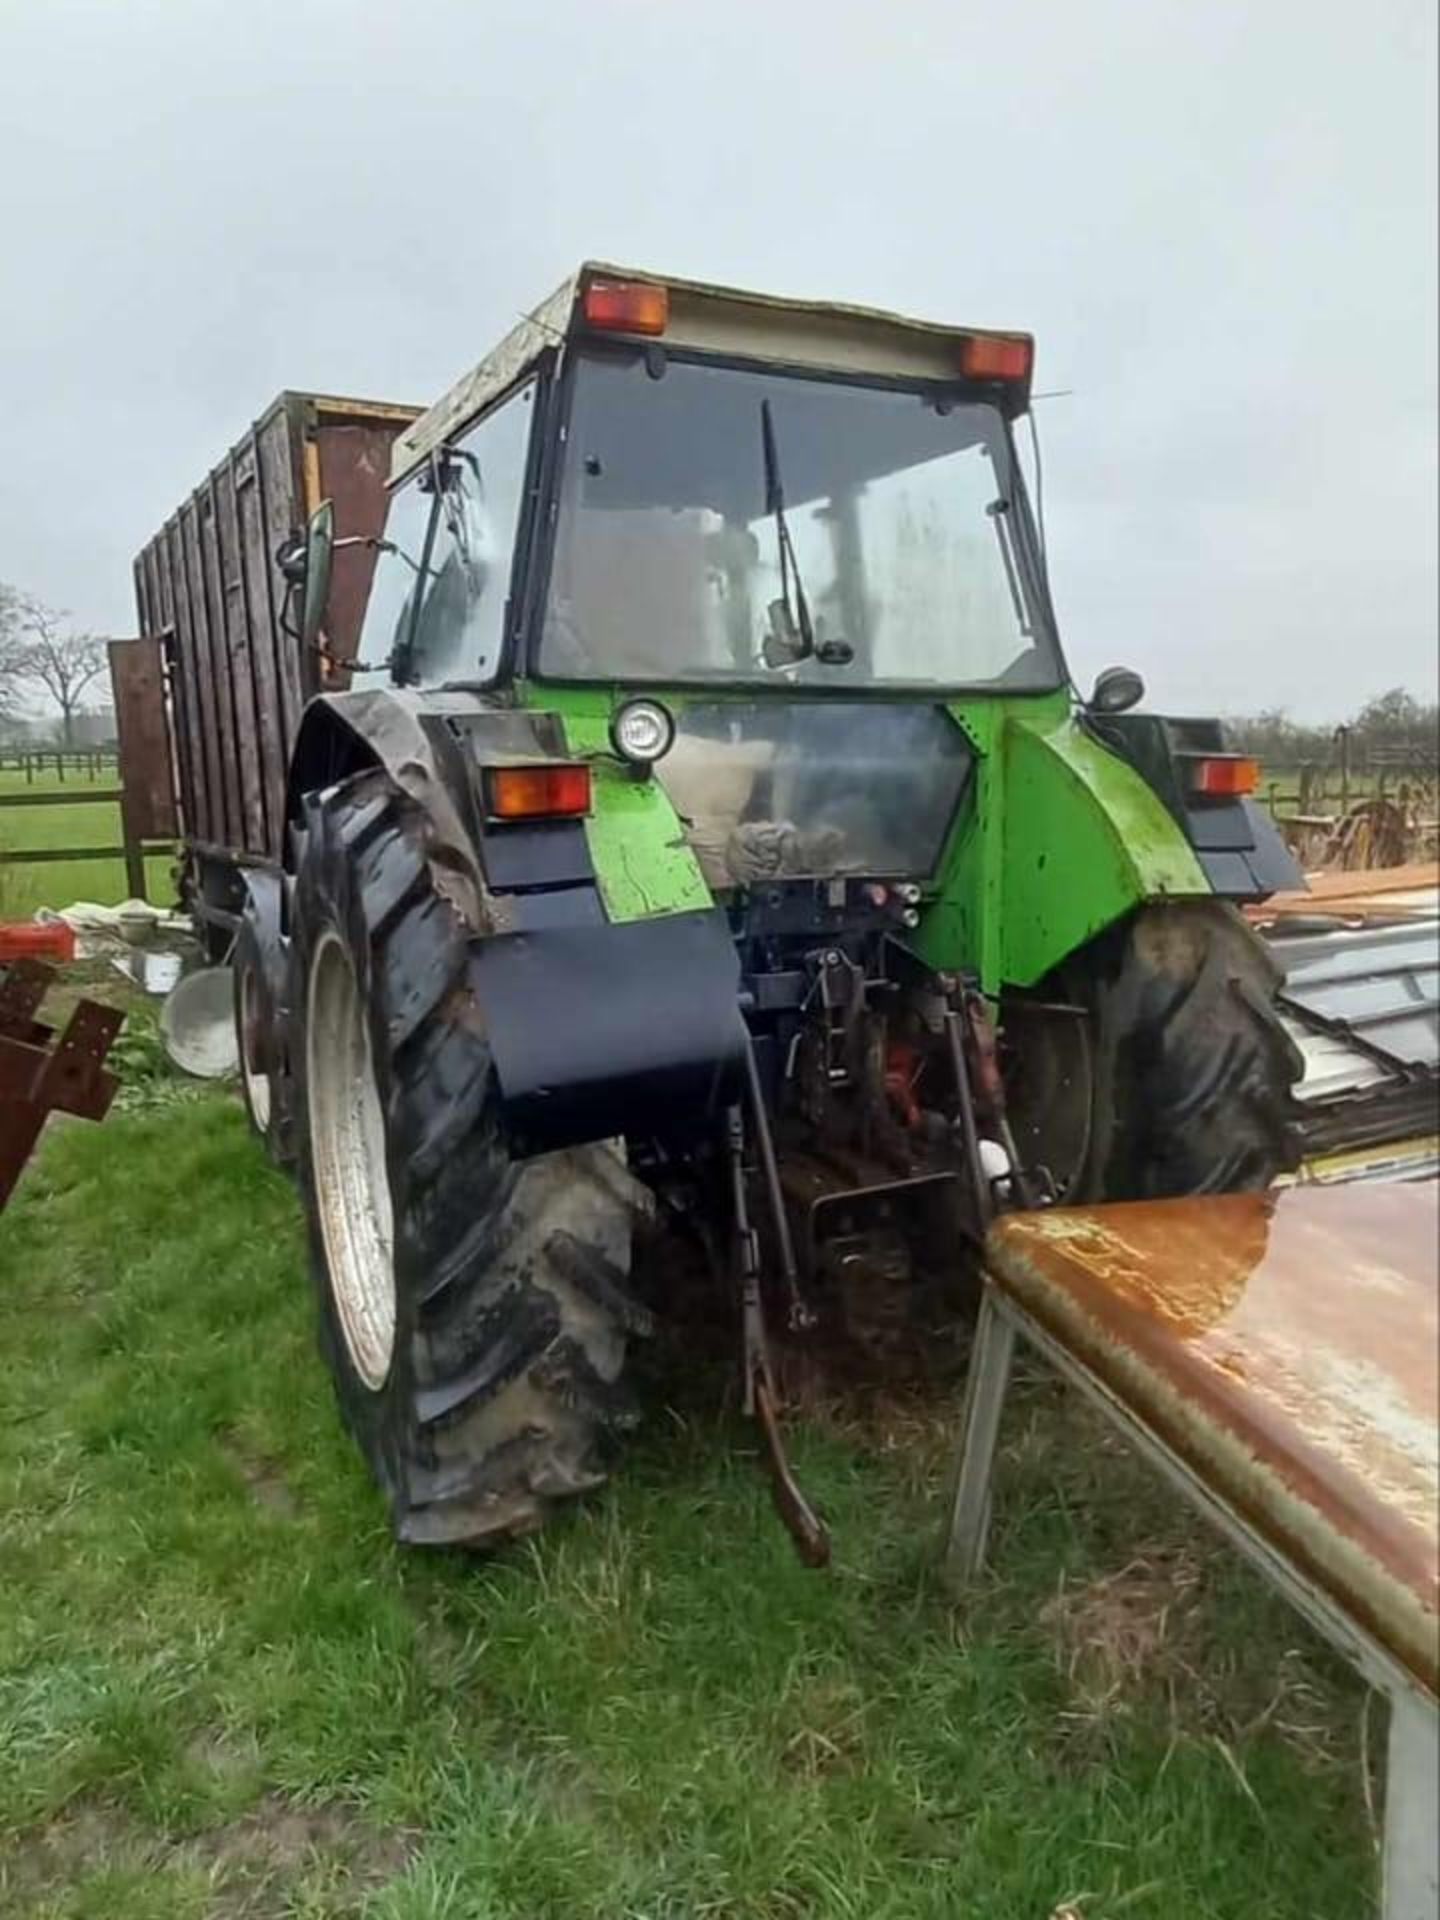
(503,1391)
(1186,1083)
(264,1091)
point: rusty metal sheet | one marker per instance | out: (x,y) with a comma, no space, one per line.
(1287,1346)
(38,1077)
(137,680)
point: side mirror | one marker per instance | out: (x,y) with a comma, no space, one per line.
(1116,690)
(784,643)
(304,561)
(319,551)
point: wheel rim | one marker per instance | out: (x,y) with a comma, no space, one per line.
(1048,1058)
(347,1148)
(256,1084)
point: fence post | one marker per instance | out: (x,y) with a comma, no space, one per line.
(134,852)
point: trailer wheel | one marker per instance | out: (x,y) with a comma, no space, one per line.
(473,1309)
(257,1043)
(1179,1080)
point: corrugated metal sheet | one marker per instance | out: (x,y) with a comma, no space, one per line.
(1363,1004)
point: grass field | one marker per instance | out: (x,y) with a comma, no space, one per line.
(224,1692)
(24,888)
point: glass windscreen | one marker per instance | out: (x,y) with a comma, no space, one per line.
(814,788)
(728,524)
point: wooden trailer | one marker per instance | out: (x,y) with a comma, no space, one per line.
(209,698)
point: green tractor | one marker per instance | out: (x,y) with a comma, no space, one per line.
(711,835)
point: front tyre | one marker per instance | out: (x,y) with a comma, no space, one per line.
(473,1309)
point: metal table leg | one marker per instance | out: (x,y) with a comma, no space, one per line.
(989,1376)
(1412,1809)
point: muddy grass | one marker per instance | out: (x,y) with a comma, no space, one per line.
(249,1866)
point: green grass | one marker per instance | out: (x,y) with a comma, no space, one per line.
(57,884)
(224,1691)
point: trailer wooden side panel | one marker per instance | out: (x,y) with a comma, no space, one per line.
(208,590)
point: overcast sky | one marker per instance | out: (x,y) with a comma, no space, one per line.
(1219,220)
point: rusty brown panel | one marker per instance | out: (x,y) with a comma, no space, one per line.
(1287,1345)
(354,459)
(207,520)
(271,741)
(280,484)
(200,670)
(249,776)
(137,680)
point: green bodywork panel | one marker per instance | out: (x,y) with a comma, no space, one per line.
(1056,838)
(637,845)
(1059,839)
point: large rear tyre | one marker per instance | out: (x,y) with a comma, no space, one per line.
(1180,1077)
(473,1309)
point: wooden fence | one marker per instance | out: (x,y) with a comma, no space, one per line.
(83,763)
(131,849)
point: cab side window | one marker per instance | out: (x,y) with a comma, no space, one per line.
(393,586)
(481,483)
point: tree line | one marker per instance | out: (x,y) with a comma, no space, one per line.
(1394,724)
(42,656)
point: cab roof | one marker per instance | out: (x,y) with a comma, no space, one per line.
(822,335)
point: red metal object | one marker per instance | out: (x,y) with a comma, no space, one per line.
(902,1070)
(988,1082)
(42,1074)
(37,940)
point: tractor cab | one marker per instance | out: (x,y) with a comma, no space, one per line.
(799,532)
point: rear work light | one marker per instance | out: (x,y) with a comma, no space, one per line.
(627,306)
(537,793)
(996,356)
(1224,778)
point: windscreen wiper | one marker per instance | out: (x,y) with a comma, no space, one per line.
(998,511)
(796,612)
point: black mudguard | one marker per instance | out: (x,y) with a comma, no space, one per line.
(611,1029)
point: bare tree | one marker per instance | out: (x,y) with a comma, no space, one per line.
(12,646)
(61,662)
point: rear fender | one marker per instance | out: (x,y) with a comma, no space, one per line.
(262,911)
(434,747)
(1064,840)
(597,1025)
